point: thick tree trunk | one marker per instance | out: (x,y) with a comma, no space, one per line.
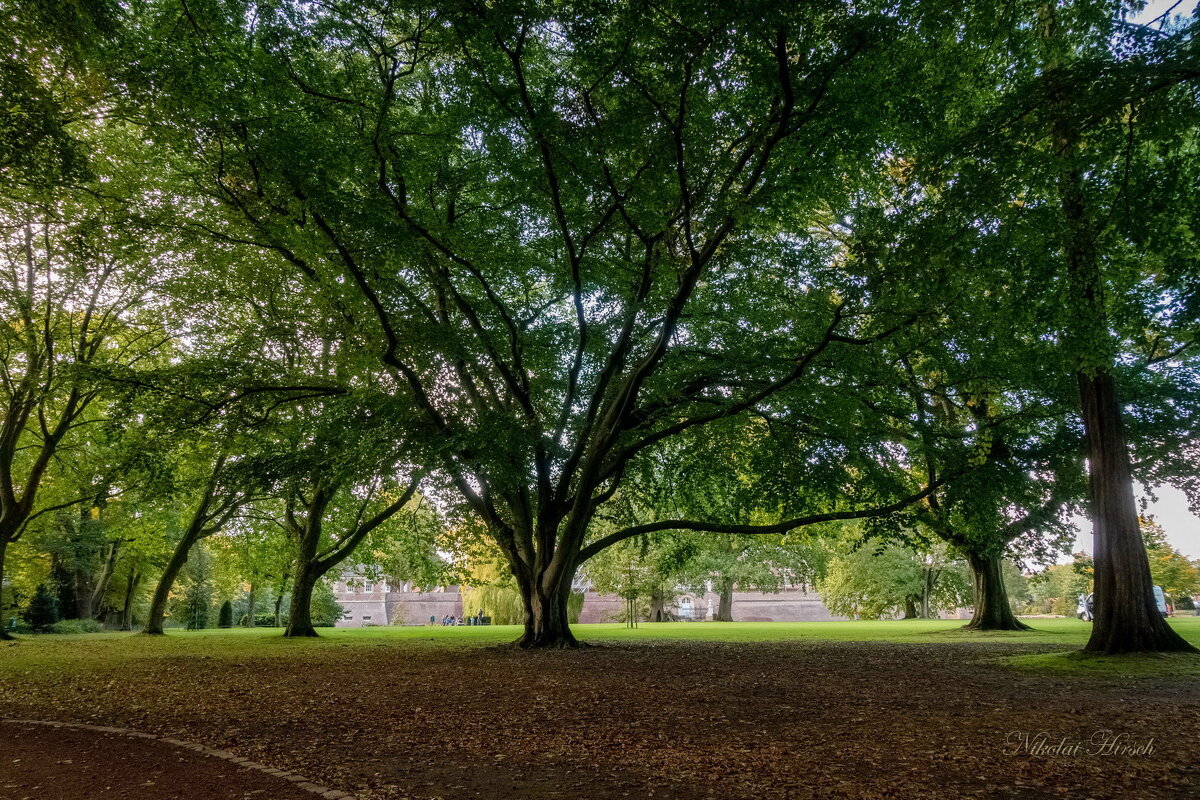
(300,615)
(1127,617)
(546,625)
(162,592)
(250,603)
(658,611)
(4,634)
(992,609)
(82,589)
(725,606)
(910,607)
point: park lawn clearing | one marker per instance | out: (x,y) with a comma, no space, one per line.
(677,710)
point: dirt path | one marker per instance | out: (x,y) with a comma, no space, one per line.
(42,762)
(860,721)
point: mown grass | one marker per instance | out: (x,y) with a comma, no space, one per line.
(1075,662)
(110,649)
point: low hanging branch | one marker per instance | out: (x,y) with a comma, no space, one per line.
(778,527)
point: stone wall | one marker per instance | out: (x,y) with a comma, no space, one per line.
(382,606)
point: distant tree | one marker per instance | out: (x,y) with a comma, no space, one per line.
(875,578)
(225,617)
(630,571)
(1057,589)
(42,611)
(196,603)
(648,571)
(254,555)
(1169,568)
(750,563)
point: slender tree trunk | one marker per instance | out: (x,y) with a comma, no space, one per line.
(162,592)
(279,600)
(96,599)
(725,606)
(82,589)
(993,611)
(250,603)
(135,578)
(930,578)
(4,634)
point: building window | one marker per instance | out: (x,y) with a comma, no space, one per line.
(368,587)
(366,618)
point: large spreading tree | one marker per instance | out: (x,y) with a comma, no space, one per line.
(568,232)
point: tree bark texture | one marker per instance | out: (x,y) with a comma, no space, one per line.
(993,612)
(725,604)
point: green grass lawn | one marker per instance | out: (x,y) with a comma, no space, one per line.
(232,644)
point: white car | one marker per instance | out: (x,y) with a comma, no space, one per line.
(1084,610)
(1160,600)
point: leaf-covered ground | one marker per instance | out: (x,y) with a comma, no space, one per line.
(668,712)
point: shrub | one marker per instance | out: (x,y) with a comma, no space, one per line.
(326,611)
(225,617)
(42,612)
(76,626)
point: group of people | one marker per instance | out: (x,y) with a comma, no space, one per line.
(450,619)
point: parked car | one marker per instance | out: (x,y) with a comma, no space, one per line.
(1084,610)
(1160,600)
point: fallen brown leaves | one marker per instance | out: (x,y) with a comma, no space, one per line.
(729,721)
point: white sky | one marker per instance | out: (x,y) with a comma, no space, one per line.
(1156,7)
(1171,512)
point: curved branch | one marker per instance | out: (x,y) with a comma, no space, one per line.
(778,527)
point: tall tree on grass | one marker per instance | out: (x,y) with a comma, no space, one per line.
(1077,152)
(558,227)
(212,489)
(70,294)
(344,481)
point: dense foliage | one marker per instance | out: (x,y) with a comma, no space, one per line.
(564,286)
